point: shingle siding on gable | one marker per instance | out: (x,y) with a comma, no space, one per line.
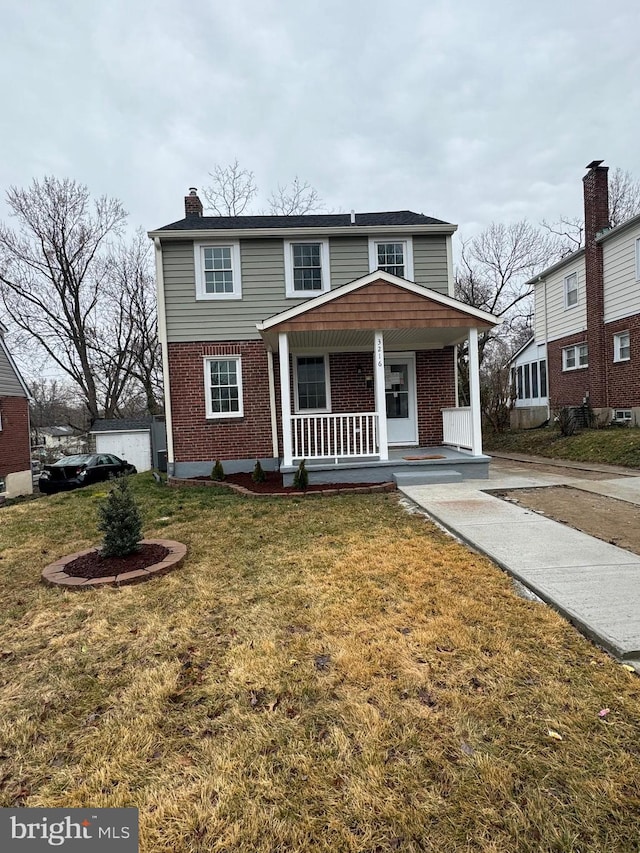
(263,284)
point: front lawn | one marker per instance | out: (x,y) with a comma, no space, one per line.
(613,445)
(321,674)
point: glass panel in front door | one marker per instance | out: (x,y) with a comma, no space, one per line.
(397,390)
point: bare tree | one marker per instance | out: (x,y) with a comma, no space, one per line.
(297,198)
(231,191)
(70,283)
(56,403)
(492,275)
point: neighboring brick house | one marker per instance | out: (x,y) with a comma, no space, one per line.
(343,328)
(15,451)
(587,320)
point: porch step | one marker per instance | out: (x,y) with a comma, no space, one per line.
(425,477)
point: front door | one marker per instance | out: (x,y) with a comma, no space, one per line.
(400,396)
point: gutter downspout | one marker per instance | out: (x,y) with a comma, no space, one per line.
(162,336)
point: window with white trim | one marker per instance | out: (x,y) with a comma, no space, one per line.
(638,259)
(218,270)
(575,357)
(531,380)
(223,386)
(622,346)
(571,290)
(392,256)
(622,415)
(312,390)
(306,267)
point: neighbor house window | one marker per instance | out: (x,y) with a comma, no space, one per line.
(571,290)
(622,347)
(392,256)
(223,387)
(312,383)
(575,357)
(218,270)
(531,380)
(3,485)
(622,415)
(306,267)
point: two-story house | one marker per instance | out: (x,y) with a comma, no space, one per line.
(328,338)
(15,452)
(586,345)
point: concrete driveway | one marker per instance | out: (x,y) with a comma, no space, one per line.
(593,584)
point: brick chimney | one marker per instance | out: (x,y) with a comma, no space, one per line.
(192,204)
(596,217)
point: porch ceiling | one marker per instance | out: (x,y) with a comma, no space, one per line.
(355,340)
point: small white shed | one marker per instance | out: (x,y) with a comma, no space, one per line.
(127,438)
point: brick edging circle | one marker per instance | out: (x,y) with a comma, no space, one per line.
(55,575)
(241,490)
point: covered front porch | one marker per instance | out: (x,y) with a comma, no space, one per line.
(396,341)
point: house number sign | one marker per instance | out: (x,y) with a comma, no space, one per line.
(379,352)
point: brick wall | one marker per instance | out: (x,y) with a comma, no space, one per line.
(567,388)
(197,438)
(596,217)
(623,377)
(15,450)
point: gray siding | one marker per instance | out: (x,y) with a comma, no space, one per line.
(349,259)
(263,284)
(430,263)
(9,383)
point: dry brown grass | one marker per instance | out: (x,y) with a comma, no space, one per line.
(320,675)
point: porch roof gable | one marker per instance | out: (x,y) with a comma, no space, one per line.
(379,300)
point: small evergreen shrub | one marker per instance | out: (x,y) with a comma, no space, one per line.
(301,477)
(217,472)
(120,521)
(258,475)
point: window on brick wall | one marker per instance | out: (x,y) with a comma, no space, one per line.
(575,357)
(223,386)
(622,346)
(571,290)
(3,485)
(217,270)
(312,390)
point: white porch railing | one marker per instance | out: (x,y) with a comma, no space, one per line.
(457,428)
(334,436)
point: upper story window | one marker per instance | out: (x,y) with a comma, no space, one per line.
(571,290)
(575,357)
(223,387)
(306,267)
(218,270)
(393,256)
(638,259)
(622,346)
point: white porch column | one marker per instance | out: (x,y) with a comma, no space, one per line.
(381,402)
(474,394)
(285,398)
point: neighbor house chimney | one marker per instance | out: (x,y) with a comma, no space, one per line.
(192,204)
(596,218)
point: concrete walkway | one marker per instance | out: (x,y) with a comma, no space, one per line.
(593,584)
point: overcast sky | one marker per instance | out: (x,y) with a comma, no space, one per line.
(470,111)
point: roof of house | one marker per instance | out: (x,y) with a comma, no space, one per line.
(8,367)
(121,424)
(57,431)
(313,220)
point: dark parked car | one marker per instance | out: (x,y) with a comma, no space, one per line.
(71,472)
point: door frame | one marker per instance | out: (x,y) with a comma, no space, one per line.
(410,359)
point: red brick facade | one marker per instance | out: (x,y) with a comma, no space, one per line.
(623,377)
(197,438)
(567,387)
(15,448)
(596,217)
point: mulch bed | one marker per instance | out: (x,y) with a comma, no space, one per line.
(94,565)
(273,484)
